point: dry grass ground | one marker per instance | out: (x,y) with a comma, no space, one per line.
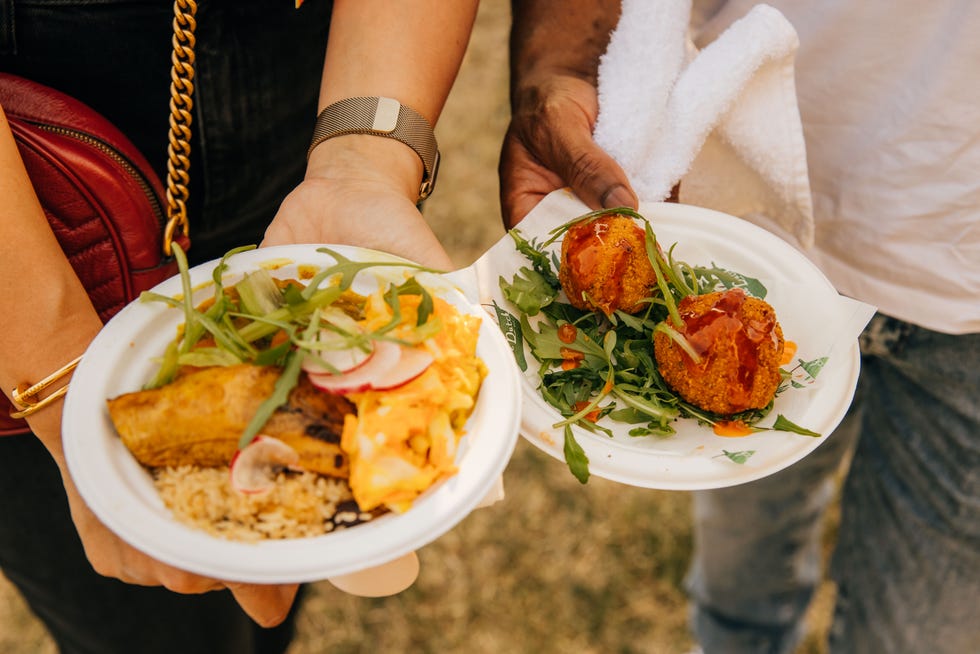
(556,567)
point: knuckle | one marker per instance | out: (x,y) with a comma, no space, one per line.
(184,583)
(584,168)
(274,618)
(101,568)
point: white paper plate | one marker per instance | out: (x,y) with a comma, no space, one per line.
(119,491)
(810,311)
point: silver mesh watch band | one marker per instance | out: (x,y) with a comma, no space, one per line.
(382,117)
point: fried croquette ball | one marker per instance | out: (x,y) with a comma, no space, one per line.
(740,346)
(604,265)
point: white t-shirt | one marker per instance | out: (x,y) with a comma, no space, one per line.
(889,94)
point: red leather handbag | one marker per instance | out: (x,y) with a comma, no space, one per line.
(104,203)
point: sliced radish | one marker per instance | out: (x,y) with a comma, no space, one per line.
(385,356)
(254,469)
(344,360)
(412,363)
(337,350)
(390,366)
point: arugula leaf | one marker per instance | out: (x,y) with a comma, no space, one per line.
(591,404)
(292,312)
(280,395)
(411,286)
(679,339)
(661,269)
(628,415)
(274,356)
(785,424)
(284,385)
(348,270)
(556,233)
(633,322)
(575,457)
(539,260)
(562,312)
(529,291)
(623,368)
(652,429)
(564,389)
(647,406)
(715,278)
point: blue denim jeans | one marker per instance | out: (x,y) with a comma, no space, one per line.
(907,559)
(257,82)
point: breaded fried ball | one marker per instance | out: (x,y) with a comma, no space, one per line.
(604,265)
(740,345)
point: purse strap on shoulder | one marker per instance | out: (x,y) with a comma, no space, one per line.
(181,115)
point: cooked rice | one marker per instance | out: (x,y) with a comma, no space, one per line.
(298,506)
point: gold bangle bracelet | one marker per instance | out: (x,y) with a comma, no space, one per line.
(26,399)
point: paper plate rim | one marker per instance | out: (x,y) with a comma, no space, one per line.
(121,495)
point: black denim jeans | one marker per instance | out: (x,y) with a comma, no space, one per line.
(257,81)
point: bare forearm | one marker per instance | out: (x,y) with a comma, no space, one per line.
(555,49)
(409,50)
(45,315)
(549,37)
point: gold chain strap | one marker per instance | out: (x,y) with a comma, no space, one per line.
(181,104)
(27,398)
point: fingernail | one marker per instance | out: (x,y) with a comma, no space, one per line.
(618,196)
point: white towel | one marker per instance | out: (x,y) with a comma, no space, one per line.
(723,121)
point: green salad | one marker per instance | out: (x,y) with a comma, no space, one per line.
(597,370)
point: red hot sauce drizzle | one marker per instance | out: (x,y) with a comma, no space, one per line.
(721,332)
(589,257)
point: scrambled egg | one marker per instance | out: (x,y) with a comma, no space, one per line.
(404,439)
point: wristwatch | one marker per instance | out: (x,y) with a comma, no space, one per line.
(382,117)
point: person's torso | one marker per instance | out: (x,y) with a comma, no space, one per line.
(257,76)
(889,94)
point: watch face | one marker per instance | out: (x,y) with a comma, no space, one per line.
(386,115)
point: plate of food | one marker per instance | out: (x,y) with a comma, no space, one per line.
(672,347)
(292,413)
